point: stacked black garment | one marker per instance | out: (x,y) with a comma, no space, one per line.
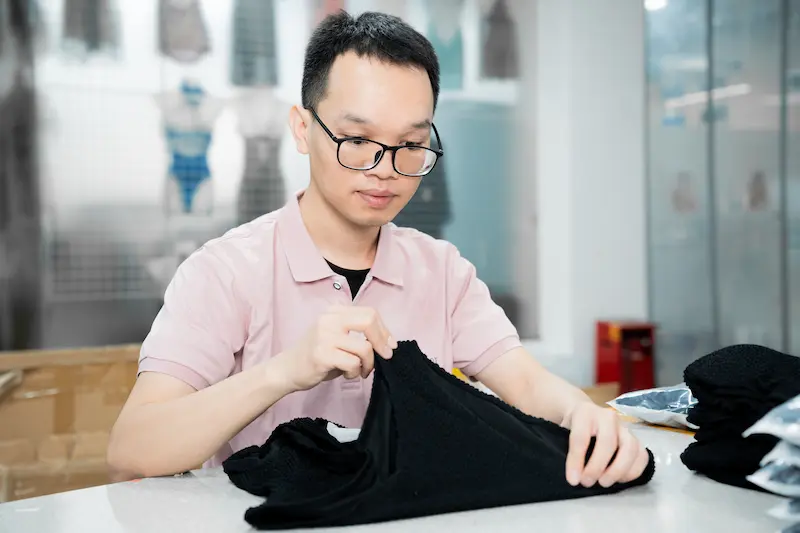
(735,387)
(430,444)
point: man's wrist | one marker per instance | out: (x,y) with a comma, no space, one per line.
(275,378)
(569,412)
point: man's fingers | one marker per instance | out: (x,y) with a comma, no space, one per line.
(367,321)
(362,349)
(576,457)
(605,445)
(639,464)
(347,363)
(627,453)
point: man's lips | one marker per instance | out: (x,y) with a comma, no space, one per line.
(376,198)
(380,193)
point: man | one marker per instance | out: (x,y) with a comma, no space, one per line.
(281,317)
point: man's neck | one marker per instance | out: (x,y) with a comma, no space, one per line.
(339,241)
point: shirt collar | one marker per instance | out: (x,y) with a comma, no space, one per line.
(307,264)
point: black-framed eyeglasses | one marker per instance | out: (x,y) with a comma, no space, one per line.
(358,153)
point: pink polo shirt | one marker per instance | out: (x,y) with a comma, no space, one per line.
(256,291)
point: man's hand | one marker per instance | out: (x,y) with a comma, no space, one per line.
(329,350)
(588,420)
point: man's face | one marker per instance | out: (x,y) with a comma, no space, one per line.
(380,102)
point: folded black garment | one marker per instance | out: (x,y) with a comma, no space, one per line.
(430,444)
(735,387)
(744,372)
(729,460)
(715,423)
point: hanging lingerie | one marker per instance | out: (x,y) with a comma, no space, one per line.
(189,169)
(183,35)
(500,50)
(89,26)
(262,189)
(429,210)
(255,51)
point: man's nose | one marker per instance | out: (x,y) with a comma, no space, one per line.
(384,169)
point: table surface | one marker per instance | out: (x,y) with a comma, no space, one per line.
(205,501)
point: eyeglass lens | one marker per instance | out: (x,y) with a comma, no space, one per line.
(363,155)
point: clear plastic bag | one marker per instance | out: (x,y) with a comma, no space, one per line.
(663,406)
(785,452)
(779,478)
(782,422)
(787,510)
(343,434)
(794,528)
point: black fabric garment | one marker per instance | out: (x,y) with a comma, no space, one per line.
(735,387)
(729,459)
(430,444)
(355,278)
(429,210)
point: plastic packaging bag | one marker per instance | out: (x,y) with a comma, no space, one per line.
(779,478)
(787,510)
(663,406)
(343,434)
(785,452)
(782,422)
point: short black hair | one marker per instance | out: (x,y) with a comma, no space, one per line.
(376,35)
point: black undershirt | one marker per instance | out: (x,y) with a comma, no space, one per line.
(355,278)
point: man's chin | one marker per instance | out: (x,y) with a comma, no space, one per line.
(372,220)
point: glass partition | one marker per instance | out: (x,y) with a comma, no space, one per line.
(723,176)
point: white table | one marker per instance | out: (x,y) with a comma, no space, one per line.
(205,501)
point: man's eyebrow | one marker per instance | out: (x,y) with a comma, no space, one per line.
(355,119)
(421,125)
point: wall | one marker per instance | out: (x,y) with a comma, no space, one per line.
(589,172)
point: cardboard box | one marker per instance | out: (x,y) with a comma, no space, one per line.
(603,393)
(59,463)
(55,421)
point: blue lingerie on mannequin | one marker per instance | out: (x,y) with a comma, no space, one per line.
(189,162)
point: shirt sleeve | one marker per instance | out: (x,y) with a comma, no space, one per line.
(201,325)
(481,330)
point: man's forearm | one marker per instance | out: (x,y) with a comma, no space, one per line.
(173,436)
(524,383)
(552,398)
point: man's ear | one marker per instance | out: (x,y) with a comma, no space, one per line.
(299,120)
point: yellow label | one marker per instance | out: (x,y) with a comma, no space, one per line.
(614,333)
(459,374)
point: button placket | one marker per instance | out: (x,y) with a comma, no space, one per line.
(340,285)
(363,288)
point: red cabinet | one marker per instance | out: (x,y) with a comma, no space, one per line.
(624,354)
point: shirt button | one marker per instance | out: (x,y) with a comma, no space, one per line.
(337,285)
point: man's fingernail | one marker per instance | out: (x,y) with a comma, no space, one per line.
(605,483)
(587,482)
(392,343)
(573,477)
